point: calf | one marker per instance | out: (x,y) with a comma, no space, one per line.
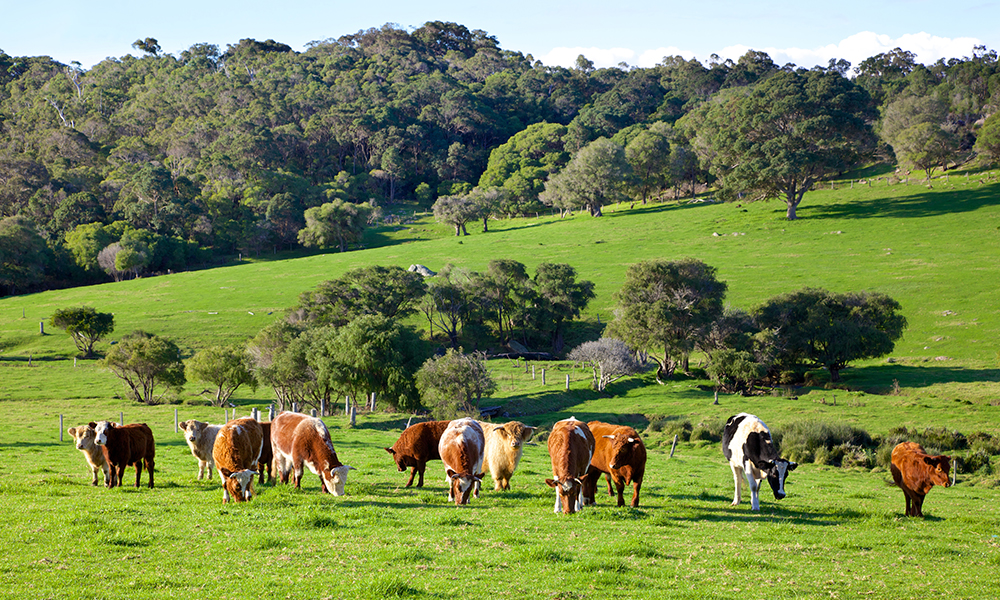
(461,450)
(417,445)
(235,453)
(298,440)
(916,472)
(125,445)
(620,455)
(571,448)
(747,443)
(503,450)
(200,437)
(85,436)
(266,454)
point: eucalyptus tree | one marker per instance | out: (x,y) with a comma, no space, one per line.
(595,177)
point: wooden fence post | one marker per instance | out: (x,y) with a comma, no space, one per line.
(176,429)
(347,406)
(121,418)
(354,414)
(543,376)
(60,428)
(532,372)
(673,446)
(567,382)
(270,412)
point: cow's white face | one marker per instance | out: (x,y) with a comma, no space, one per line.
(101,432)
(462,486)
(85,437)
(777,474)
(193,430)
(337,479)
(238,484)
(569,495)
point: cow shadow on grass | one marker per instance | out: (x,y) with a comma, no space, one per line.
(725,513)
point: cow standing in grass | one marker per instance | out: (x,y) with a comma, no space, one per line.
(125,445)
(236,452)
(298,442)
(461,450)
(503,451)
(916,472)
(747,444)
(84,437)
(620,456)
(417,445)
(571,447)
(200,437)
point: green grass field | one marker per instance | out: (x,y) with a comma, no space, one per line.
(840,532)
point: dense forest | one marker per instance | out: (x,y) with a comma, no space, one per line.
(165,162)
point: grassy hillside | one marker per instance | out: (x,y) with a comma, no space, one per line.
(840,532)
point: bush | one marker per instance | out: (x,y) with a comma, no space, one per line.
(823,443)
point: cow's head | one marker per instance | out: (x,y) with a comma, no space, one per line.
(514,433)
(192,430)
(85,437)
(402,460)
(940,466)
(101,429)
(236,484)
(462,486)
(623,447)
(776,473)
(569,494)
(334,479)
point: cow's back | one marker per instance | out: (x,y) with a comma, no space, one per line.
(461,446)
(283,431)
(238,445)
(571,448)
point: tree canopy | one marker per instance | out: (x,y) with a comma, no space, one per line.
(85,325)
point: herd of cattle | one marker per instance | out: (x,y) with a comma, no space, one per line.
(580,453)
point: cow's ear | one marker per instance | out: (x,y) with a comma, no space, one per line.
(478,476)
(390,451)
(765,465)
(552,482)
(92,425)
(71,430)
(932,461)
(183,425)
(451,474)
(791,466)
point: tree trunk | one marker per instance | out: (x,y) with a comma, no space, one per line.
(486,228)
(458,230)
(834,373)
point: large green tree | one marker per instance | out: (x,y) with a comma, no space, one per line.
(145,361)
(85,325)
(453,384)
(392,292)
(596,176)
(337,223)
(917,128)
(791,130)
(226,368)
(832,330)
(665,307)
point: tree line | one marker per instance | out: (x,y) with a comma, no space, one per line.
(354,336)
(170,160)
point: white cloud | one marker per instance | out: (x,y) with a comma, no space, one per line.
(856,48)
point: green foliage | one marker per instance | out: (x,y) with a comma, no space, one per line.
(988,141)
(665,307)
(917,129)
(456,211)
(735,371)
(595,177)
(392,292)
(336,223)
(85,325)
(452,385)
(225,367)
(25,259)
(145,361)
(832,330)
(838,444)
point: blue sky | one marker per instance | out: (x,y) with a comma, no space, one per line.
(607,32)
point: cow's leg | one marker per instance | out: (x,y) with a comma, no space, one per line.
(149,469)
(413,472)
(607,479)
(635,496)
(138,471)
(201,469)
(906,494)
(94,471)
(620,487)
(738,481)
(420,472)
(754,485)
(558,507)
(918,504)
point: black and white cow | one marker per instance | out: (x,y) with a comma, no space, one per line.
(746,442)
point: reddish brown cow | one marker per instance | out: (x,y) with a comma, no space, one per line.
(266,454)
(298,440)
(916,472)
(461,450)
(235,453)
(620,455)
(571,447)
(125,445)
(417,445)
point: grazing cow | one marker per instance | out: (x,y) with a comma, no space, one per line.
(125,445)
(571,447)
(916,472)
(620,455)
(504,447)
(298,440)
(266,454)
(200,437)
(235,453)
(416,445)
(461,450)
(747,443)
(85,436)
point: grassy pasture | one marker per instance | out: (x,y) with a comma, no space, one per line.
(840,532)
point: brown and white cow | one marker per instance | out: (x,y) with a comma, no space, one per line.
(266,455)
(299,440)
(125,445)
(417,445)
(571,448)
(461,449)
(503,451)
(84,437)
(620,456)
(235,453)
(916,472)
(200,437)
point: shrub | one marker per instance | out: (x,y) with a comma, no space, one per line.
(823,443)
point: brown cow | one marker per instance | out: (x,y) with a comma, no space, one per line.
(236,452)
(125,445)
(417,445)
(298,440)
(266,455)
(85,436)
(571,447)
(461,450)
(916,472)
(621,456)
